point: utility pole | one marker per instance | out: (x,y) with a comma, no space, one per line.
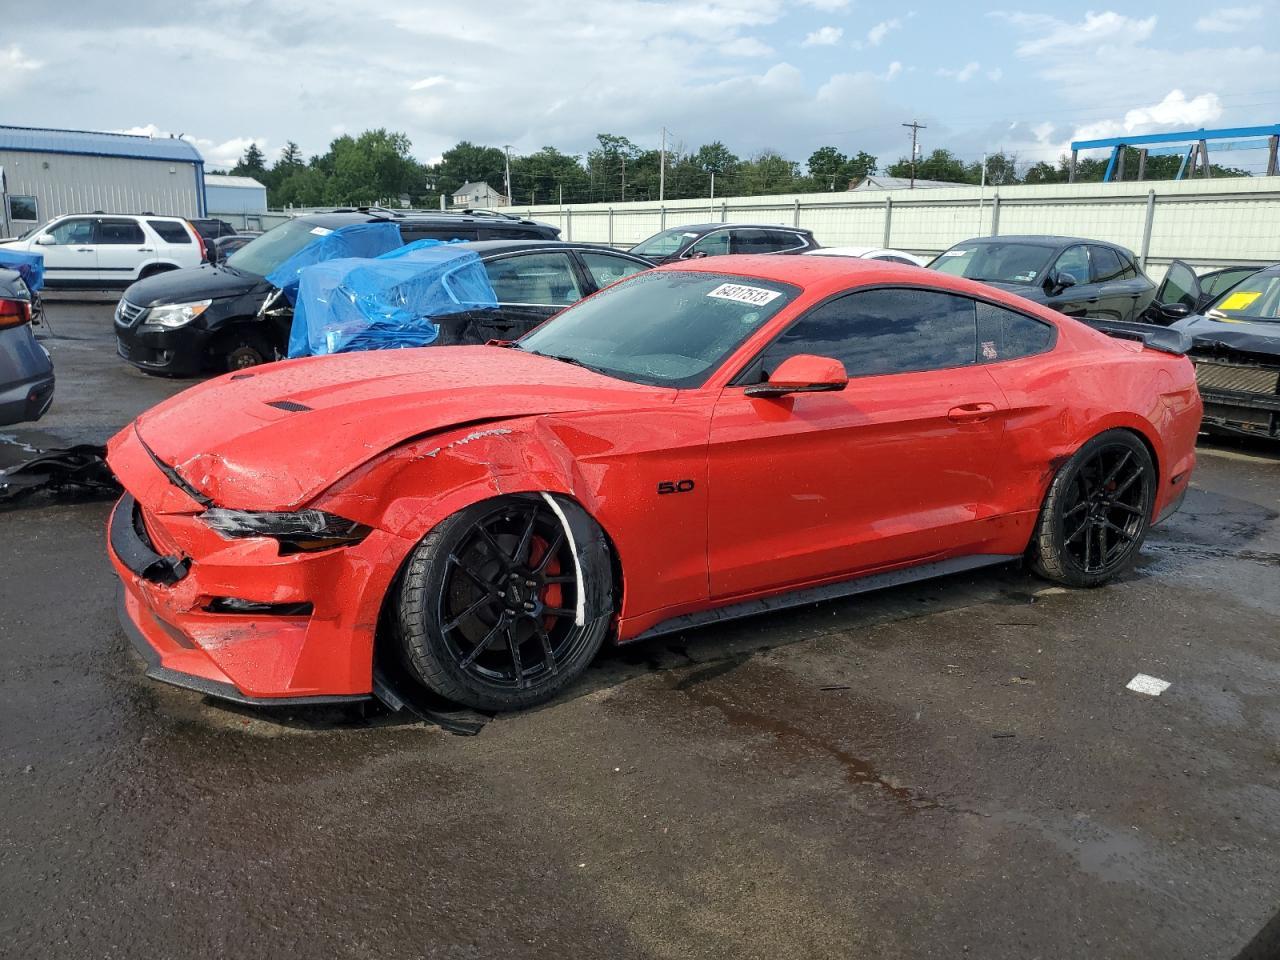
(624,178)
(915,147)
(662,167)
(507,148)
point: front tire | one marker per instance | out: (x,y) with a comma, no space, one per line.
(489,603)
(1096,513)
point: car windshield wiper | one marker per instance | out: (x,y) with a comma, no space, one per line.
(563,359)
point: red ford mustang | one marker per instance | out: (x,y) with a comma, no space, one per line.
(674,450)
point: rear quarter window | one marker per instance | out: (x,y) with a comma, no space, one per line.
(170,231)
(1007,335)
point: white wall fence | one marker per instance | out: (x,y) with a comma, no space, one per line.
(1208,223)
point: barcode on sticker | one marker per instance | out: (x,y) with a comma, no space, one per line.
(757,296)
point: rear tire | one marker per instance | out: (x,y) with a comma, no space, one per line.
(1097,512)
(487,608)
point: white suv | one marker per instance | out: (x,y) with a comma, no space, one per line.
(101,250)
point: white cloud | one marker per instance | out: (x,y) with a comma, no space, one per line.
(14,66)
(1229,19)
(964,74)
(426,83)
(226,153)
(1174,112)
(1096,28)
(746,47)
(995,74)
(823,37)
(895,68)
(827,6)
(876,35)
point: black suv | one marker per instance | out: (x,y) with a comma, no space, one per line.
(227,316)
(1081,278)
(717,239)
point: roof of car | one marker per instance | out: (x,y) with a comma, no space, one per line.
(1042,240)
(486,248)
(708,227)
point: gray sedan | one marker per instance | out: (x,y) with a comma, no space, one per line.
(26,371)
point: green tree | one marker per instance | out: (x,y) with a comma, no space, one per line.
(252,163)
(769,172)
(941,164)
(827,167)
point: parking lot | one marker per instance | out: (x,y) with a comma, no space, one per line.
(949,769)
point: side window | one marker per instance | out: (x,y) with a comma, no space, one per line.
(1074,261)
(712,245)
(893,330)
(410,234)
(120,231)
(1129,268)
(170,231)
(606,268)
(751,241)
(784,240)
(1224,280)
(1006,335)
(903,260)
(78,230)
(1106,264)
(1179,286)
(534,278)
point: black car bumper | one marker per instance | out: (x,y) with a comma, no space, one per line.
(175,353)
(27,400)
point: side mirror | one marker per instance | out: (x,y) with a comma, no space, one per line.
(211,252)
(1058,281)
(803,373)
(45,240)
(1174,311)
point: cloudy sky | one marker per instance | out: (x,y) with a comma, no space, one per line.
(788,74)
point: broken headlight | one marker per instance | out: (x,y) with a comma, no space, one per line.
(297,530)
(174,315)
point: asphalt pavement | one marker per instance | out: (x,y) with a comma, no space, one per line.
(951,769)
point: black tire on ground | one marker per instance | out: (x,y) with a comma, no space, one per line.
(241,349)
(1096,513)
(487,612)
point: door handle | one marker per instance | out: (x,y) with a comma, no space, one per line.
(84,249)
(145,250)
(971,412)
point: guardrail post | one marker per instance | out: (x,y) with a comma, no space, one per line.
(611,226)
(724,211)
(888,220)
(995,215)
(1146,229)
(795,216)
(662,218)
(568,224)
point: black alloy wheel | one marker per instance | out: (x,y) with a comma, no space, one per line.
(1097,512)
(490,600)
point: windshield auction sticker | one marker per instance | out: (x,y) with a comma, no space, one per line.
(741,293)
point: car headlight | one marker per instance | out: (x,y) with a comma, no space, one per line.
(298,530)
(173,315)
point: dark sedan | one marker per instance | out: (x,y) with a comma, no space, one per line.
(1081,278)
(26,372)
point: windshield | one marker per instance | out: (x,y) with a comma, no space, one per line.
(263,254)
(667,328)
(1001,262)
(1255,299)
(664,244)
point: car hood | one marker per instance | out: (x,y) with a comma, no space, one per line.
(193,283)
(1207,333)
(277,436)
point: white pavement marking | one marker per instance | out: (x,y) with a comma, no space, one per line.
(1152,686)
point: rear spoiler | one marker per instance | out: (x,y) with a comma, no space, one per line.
(1164,339)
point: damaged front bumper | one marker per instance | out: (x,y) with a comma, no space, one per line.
(1239,397)
(240,619)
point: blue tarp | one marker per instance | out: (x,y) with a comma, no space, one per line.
(29,265)
(387,302)
(357,240)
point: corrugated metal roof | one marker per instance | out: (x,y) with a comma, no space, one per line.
(39,140)
(226,180)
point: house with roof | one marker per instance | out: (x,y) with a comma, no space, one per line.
(478,195)
(45,173)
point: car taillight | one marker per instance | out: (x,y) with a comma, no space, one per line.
(204,250)
(14,313)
